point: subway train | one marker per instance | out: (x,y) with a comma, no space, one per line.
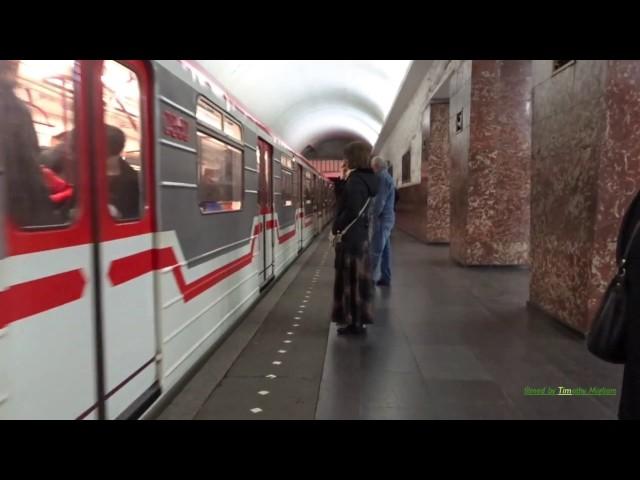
(169,211)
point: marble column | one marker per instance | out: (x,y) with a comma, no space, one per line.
(436,159)
(490,150)
(423,210)
(585,171)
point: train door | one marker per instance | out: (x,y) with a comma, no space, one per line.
(320,205)
(325,199)
(265,208)
(316,205)
(77,290)
(301,207)
(123,225)
(47,337)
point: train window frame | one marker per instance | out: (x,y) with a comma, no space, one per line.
(224,140)
(227,119)
(203,99)
(290,194)
(287,161)
(205,105)
(73,216)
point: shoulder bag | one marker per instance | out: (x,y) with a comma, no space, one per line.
(338,236)
(608,334)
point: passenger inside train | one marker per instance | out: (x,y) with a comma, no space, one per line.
(28,202)
(48,197)
(58,156)
(59,138)
(215,188)
(57,163)
(220,176)
(124,188)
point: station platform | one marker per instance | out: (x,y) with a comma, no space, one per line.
(448,342)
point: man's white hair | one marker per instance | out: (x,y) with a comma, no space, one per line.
(378,162)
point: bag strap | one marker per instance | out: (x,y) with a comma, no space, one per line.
(356,219)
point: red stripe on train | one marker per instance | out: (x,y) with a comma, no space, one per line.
(270,224)
(124,269)
(191,290)
(286,236)
(36,296)
(133,266)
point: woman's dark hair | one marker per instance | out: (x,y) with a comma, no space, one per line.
(357,155)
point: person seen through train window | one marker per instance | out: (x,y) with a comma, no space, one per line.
(58,156)
(210,185)
(56,163)
(27,200)
(60,191)
(59,139)
(124,188)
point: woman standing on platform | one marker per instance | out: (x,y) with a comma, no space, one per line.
(353,287)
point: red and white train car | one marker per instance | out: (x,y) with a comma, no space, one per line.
(180,208)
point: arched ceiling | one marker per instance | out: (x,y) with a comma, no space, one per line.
(310,102)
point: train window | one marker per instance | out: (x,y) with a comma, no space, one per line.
(287,188)
(220,168)
(212,117)
(232,129)
(208,115)
(287,162)
(37,101)
(121,100)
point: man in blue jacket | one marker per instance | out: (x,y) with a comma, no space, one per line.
(383,221)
